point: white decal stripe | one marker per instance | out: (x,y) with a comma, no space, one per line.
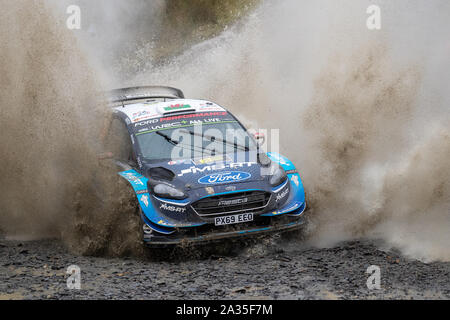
(170,202)
(282,186)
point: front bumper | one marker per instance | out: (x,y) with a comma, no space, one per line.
(209,234)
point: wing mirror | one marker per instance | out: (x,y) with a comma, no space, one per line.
(260,138)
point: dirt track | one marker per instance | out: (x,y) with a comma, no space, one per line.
(37,270)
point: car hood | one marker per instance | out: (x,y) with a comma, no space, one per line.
(212,175)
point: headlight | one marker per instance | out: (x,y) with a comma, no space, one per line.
(277,175)
(165,191)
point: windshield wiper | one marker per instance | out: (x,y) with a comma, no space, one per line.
(168,139)
(178,143)
(212,139)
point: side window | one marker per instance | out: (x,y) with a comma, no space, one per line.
(118,142)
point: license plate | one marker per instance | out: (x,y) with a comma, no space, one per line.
(239,218)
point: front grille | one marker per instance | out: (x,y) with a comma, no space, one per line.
(234,203)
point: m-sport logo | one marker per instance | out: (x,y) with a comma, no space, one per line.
(225,177)
(232,202)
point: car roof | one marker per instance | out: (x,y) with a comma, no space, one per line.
(152,109)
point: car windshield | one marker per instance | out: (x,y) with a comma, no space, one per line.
(195,141)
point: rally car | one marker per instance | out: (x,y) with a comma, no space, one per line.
(197,173)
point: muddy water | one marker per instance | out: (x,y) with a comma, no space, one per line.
(51,115)
(369,109)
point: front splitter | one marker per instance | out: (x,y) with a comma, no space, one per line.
(166,241)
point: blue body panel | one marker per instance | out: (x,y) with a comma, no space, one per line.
(139,184)
(297,195)
(164,222)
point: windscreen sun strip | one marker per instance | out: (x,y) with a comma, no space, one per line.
(184,126)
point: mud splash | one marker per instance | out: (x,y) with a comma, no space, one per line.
(365,173)
(50,118)
(357,118)
(46,88)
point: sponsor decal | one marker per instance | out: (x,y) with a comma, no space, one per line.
(130,176)
(181,124)
(230,188)
(209,190)
(165,206)
(216,167)
(194,115)
(140,114)
(232,202)
(138,182)
(146,123)
(295,180)
(177,107)
(209,108)
(142,191)
(144,115)
(282,194)
(291,208)
(162,222)
(291,171)
(176,162)
(225,177)
(166,126)
(210,160)
(144,199)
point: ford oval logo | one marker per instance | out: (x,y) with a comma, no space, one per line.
(225,177)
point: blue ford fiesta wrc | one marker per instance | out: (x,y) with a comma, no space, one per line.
(197,173)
